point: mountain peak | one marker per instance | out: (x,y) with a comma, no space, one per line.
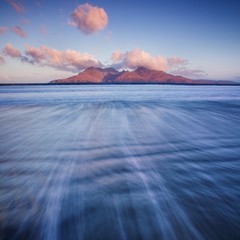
(92,68)
(109,69)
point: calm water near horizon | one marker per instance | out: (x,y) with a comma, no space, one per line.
(120,162)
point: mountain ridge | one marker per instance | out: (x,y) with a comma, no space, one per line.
(97,75)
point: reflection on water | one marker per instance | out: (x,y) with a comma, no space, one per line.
(120,162)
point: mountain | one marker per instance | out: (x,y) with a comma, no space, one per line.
(140,75)
(90,75)
(144,75)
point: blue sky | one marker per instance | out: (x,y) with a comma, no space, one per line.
(45,40)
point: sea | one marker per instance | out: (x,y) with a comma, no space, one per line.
(119,162)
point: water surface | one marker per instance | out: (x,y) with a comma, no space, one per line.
(119,162)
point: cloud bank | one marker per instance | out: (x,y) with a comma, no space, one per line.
(139,58)
(18,30)
(68,60)
(89,19)
(74,61)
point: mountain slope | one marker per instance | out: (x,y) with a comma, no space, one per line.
(89,75)
(143,75)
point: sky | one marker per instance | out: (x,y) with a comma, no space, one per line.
(42,40)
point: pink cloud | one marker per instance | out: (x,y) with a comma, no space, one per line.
(2,61)
(117,56)
(89,19)
(69,60)
(17,6)
(175,61)
(18,30)
(139,58)
(35,54)
(11,51)
(3,30)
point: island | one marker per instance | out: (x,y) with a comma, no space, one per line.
(142,75)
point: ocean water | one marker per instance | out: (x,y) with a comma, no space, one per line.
(120,162)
